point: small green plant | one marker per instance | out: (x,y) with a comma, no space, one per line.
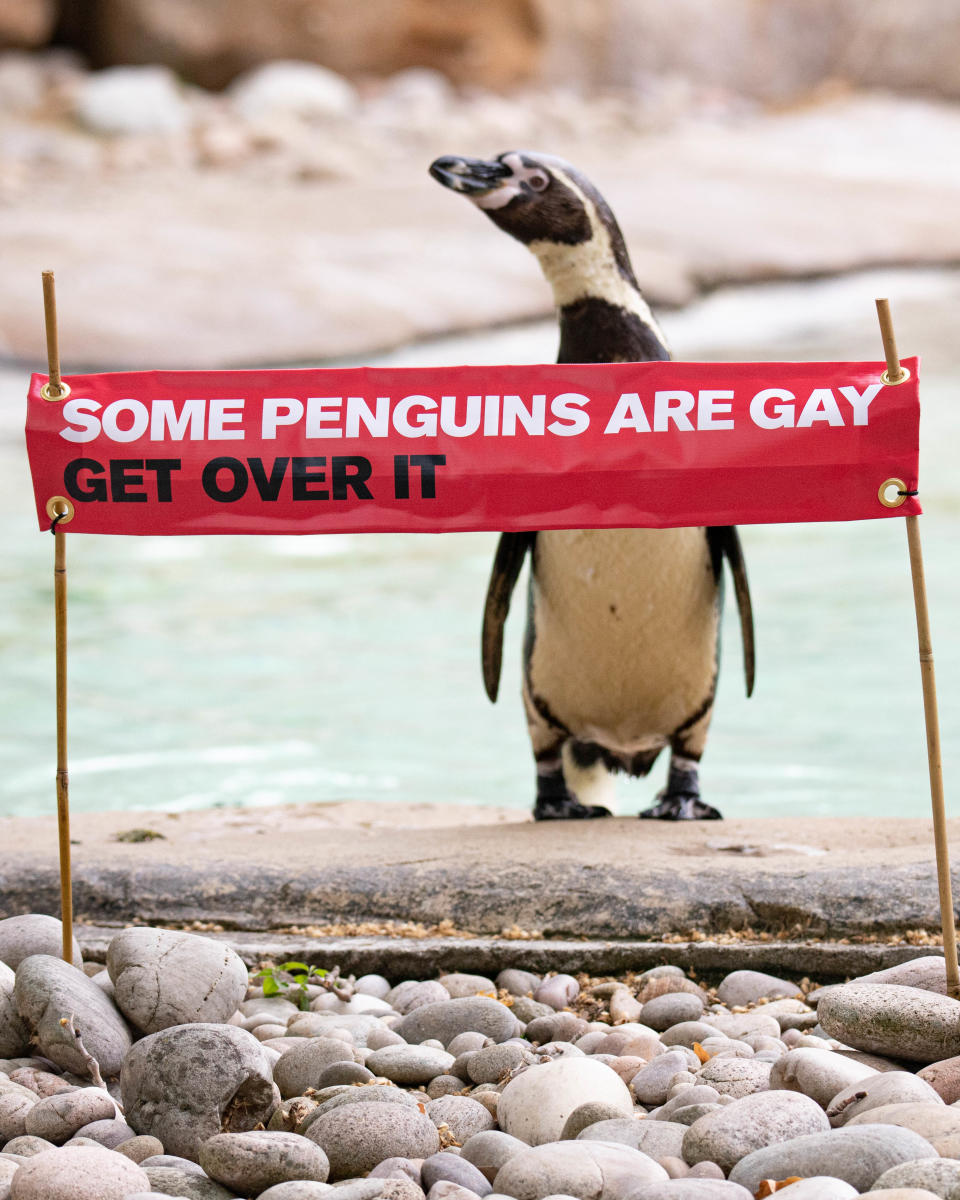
(290,979)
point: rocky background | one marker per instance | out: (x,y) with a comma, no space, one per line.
(223,182)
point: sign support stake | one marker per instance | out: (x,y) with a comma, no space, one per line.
(895,374)
(61,511)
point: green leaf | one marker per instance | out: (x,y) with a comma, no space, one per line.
(270,985)
(294,968)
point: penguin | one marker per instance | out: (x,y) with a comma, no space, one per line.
(621,651)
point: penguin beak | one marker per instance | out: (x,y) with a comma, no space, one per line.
(471,176)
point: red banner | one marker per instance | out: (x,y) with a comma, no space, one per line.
(466,448)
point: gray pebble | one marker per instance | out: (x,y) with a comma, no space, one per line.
(463,1115)
(78,1173)
(526,1009)
(687,1032)
(253,1161)
(385,1093)
(372,985)
(819,1074)
(302,1065)
(652,1083)
(454,1169)
(588,1114)
(174,1161)
(892,1019)
(14,1034)
(33,933)
(733,1131)
(301,1190)
(691,1189)
(938,1175)
(736,1077)
(517,982)
(558,1027)
(489,1150)
(397,1168)
(857,1155)
(446,1189)
(57,1118)
(492,1063)
(673,1008)
(874,1091)
(413,994)
(450,1017)
(141,1147)
(460,984)
(747,987)
(26,1145)
(658,1139)
(410,1064)
(446,1085)
(938,1123)
(13,1114)
(110,1132)
(558,991)
(342,1072)
(173,1181)
(358,1136)
(574,1167)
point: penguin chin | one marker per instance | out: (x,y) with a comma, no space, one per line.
(593,785)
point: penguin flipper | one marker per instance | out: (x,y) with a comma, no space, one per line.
(725,543)
(507,563)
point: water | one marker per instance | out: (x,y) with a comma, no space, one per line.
(222,671)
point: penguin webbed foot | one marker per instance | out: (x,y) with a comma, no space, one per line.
(680,806)
(567,808)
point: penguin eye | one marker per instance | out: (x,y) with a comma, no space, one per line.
(538,181)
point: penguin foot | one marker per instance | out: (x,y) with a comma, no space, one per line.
(680,806)
(566,808)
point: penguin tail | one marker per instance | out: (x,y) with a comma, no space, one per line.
(725,543)
(507,563)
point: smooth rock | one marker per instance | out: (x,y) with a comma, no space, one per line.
(288,87)
(141,1147)
(658,1139)
(14,1034)
(301,1190)
(186,1083)
(685,1033)
(894,1020)
(444,1020)
(492,1063)
(517,982)
(409,1064)
(591,1113)
(736,1077)
(557,1027)
(747,987)
(461,984)
(135,99)
(651,1084)
(163,977)
(278,1007)
(462,1115)
(938,1123)
(535,1105)
(690,1189)
(819,1074)
(889,1087)
(78,1173)
(57,1118)
(585,1169)
(26,1146)
(110,1132)
(413,993)
(673,1008)
(13,1114)
(558,991)
(355,1137)
(490,1150)
(927,973)
(938,1175)
(453,1168)
(819,1187)
(740,1025)
(302,1065)
(944,1078)
(857,1155)
(342,1072)
(193,1185)
(735,1130)
(33,933)
(372,985)
(48,989)
(253,1161)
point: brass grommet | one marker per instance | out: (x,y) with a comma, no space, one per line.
(60,506)
(898,497)
(892,382)
(47,393)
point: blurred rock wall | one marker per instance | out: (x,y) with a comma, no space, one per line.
(770,50)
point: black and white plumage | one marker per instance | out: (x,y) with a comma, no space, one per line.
(622,640)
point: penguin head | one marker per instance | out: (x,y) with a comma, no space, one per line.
(533,197)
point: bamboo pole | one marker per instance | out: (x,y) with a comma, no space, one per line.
(56,390)
(896,374)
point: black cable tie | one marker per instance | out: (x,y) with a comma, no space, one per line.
(915,492)
(56,521)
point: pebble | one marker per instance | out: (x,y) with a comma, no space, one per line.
(193,1185)
(938,1123)
(300,89)
(355,1137)
(48,989)
(574,1168)
(162,977)
(819,1074)
(304,1063)
(445,1019)
(736,1077)
(856,1155)
(33,933)
(535,1104)
(78,1173)
(140,1147)
(129,100)
(409,1064)
(658,1139)
(412,994)
(14,1034)
(939,1175)
(253,1161)
(489,1150)
(747,987)
(490,1064)
(26,1146)
(673,1008)
(732,1131)
(557,990)
(57,1118)
(691,1189)
(460,984)
(891,1019)
(651,1084)
(820,1187)
(517,982)
(453,1169)
(462,1115)
(890,1087)
(181,1083)
(297,1191)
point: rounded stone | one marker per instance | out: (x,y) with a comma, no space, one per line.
(652,1083)
(186,1083)
(687,1032)
(858,1155)
(13,1115)
(57,1118)
(731,1132)
(409,1064)
(658,1139)
(534,1106)
(517,982)
(140,1147)
(589,1114)
(193,1185)
(355,1137)
(557,1027)
(819,1074)
(251,1162)
(902,1022)
(78,1173)
(26,1146)
(672,1008)
(577,1168)
(489,1150)
(944,1078)
(447,1018)
(109,1131)
(822,1187)
(875,1091)
(461,984)
(301,1066)
(557,990)
(939,1175)
(33,933)
(162,977)
(47,989)
(690,1189)
(301,1190)
(493,1063)
(747,987)
(736,1077)
(452,1168)
(462,1115)
(14,1034)
(342,1072)
(414,993)
(938,1123)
